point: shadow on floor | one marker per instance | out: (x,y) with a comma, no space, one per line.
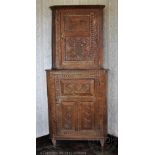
(44,147)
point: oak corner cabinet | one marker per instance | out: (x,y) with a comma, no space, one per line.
(77,83)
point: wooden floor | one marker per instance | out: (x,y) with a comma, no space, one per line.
(44,147)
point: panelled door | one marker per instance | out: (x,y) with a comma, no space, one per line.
(78,103)
(79,38)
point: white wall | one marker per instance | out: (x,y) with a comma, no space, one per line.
(43,55)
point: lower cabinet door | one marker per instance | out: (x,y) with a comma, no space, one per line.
(86,120)
(68,116)
(76,118)
(78,103)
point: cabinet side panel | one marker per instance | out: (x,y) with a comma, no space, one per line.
(102,99)
(56,38)
(51,103)
(53,39)
(101,44)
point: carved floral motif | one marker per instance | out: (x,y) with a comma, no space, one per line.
(77,48)
(87,117)
(83,48)
(67,118)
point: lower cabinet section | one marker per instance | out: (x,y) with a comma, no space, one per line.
(77,104)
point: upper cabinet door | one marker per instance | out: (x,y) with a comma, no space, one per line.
(78,38)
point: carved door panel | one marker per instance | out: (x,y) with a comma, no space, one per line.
(67,116)
(86,116)
(78,38)
(78,102)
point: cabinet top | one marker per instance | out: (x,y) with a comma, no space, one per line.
(76,6)
(76,70)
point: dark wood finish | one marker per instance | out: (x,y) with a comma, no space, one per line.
(76,6)
(77,37)
(77,85)
(77,104)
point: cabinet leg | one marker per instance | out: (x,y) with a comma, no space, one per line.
(102,142)
(54,141)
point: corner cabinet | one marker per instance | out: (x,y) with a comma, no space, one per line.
(77,83)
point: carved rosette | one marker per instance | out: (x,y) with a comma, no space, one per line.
(77,49)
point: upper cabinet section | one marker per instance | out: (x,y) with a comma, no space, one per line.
(77,37)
